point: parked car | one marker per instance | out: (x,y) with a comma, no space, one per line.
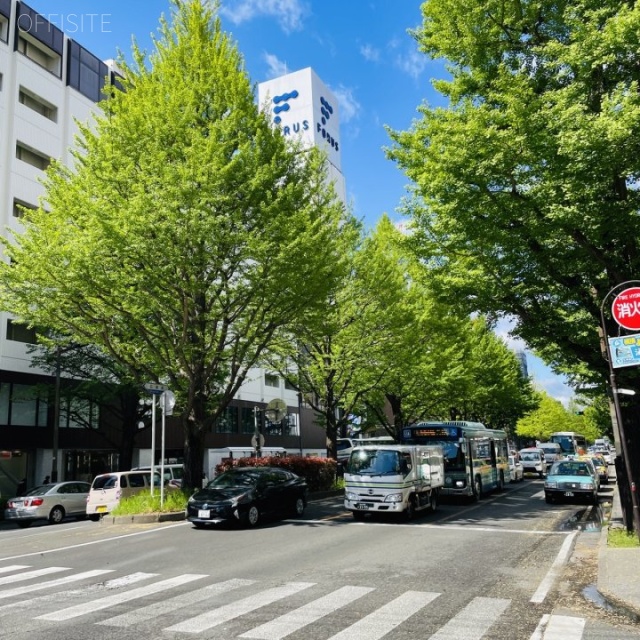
(245,494)
(572,479)
(533,461)
(108,489)
(515,469)
(52,502)
(172,473)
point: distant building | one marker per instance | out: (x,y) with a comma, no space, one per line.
(522,358)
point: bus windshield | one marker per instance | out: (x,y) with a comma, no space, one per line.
(569,442)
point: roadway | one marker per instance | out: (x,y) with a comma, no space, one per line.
(509,567)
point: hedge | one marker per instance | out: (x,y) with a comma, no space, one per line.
(320,473)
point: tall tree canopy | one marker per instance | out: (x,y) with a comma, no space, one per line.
(526,184)
(187,234)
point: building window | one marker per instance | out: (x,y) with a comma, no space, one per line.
(79,413)
(37,104)
(39,40)
(39,54)
(271,380)
(85,72)
(19,206)
(21,333)
(228,421)
(23,405)
(4,28)
(289,385)
(248,420)
(32,157)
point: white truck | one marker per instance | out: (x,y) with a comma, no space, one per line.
(397,479)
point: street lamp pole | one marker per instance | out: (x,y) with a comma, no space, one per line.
(56,419)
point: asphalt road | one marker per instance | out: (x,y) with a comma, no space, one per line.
(501,569)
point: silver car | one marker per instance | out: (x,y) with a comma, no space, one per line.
(52,502)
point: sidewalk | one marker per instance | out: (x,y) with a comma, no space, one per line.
(619,569)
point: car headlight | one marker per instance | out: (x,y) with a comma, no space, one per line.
(448,481)
(349,495)
(243,497)
(393,497)
(586,485)
(460,484)
(191,500)
(551,485)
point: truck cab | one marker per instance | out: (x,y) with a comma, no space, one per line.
(395,479)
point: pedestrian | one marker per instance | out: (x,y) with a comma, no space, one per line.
(46,480)
(22,487)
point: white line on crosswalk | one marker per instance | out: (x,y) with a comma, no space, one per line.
(27,575)
(116,583)
(117,598)
(473,621)
(387,617)
(559,628)
(303,616)
(13,567)
(18,591)
(175,603)
(228,612)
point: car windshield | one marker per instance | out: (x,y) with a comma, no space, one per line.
(530,456)
(570,468)
(235,479)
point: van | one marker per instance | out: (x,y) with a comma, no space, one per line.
(533,461)
(172,473)
(344,446)
(108,489)
(552,452)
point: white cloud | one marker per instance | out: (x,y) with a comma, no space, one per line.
(349,106)
(276,67)
(370,53)
(412,63)
(289,13)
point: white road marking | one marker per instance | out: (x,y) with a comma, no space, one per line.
(27,575)
(175,603)
(559,628)
(386,618)
(309,613)
(474,620)
(13,567)
(18,591)
(554,571)
(233,610)
(117,598)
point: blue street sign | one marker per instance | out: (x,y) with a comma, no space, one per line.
(625,351)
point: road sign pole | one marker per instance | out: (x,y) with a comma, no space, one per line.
(153,439)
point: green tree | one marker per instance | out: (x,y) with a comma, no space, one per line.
(187,234)
(549,416)
(518,180)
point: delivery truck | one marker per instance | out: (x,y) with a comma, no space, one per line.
(394,479)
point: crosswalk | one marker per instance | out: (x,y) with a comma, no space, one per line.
(192,604)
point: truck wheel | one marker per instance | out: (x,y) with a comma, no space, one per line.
(410,511)
(433,500)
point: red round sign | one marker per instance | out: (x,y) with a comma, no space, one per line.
(626,308)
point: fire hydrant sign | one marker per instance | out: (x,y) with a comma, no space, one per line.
(626,308)
(625,351)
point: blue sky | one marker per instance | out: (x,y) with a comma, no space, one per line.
(361,49)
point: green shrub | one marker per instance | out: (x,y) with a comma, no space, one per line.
(143,502)
(622,538)
(320,473)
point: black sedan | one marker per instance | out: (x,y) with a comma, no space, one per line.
(246,494)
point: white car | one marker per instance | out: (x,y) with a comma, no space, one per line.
(515,469)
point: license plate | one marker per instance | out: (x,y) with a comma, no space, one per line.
(569,494)
(101,509)
(364,505)
(204,513)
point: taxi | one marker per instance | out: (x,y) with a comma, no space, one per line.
(600,463)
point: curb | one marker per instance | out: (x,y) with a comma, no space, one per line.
(144,518)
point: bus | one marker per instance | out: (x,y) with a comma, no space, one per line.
(570,442)
(476,459)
